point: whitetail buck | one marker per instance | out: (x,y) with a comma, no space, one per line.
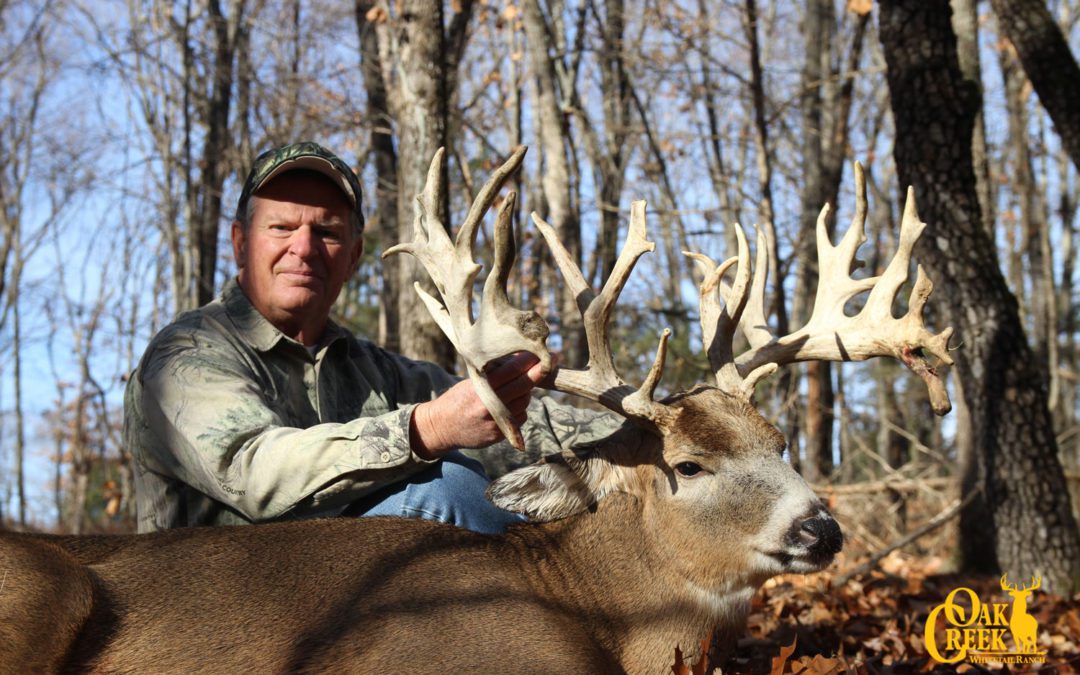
(637,545)
(1024,627)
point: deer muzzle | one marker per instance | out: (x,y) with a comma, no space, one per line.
(815,538)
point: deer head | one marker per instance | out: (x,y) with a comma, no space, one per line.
(705,466)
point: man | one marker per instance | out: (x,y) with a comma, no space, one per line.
(258,407)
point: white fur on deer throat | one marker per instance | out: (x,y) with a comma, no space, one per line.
(728,606)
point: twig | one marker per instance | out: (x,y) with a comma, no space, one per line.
(3,581)
(877,486)
(931,525)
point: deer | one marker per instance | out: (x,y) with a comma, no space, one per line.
(1024,627)
(636,545)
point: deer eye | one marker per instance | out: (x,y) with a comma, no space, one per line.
(688,469)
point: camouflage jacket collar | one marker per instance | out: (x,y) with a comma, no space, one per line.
(255,329)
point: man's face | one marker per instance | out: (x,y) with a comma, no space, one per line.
(297,253)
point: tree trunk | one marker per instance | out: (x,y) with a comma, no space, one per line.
(1066,408)
(611,164)
(420,59)
(965,22)
(894,447)
(764,164)
(215,155)
(1026,208)
(1024,502)
(1048,63)
(561,210)
(20,434)
(383,227)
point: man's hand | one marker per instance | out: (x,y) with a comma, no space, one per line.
(458,419)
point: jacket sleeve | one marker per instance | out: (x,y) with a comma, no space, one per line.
(211,427)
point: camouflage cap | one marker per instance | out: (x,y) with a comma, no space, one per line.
(303,155)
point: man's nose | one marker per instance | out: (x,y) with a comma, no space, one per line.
(302,244)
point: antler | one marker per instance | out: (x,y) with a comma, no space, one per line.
(500,329)
(1036,582)
(599,381)
(830,334)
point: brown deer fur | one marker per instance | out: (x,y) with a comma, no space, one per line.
(633,560)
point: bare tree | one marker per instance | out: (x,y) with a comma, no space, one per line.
(29,160)
(1048,62)
(1027,209)
(827,93)
(179,63)
(560,208)
(610,156)
(383,230)
(965,22)
(420,44)
(1023,504)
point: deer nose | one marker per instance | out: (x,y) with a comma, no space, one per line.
(820,534)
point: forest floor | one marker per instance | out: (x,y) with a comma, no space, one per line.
(875,623)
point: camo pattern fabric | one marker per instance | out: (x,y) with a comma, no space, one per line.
(229,421)
(269,161)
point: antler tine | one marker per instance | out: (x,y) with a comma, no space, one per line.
(754,325)
(718,323)
(500,329)
(831,335)
(599,381)
(743,308)
(466,237)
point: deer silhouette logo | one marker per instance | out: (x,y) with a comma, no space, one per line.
(1023,626)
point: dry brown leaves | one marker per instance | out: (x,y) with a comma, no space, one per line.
(875,624)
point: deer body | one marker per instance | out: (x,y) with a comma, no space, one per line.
(1024,627)
(638,545)
(613,581)
(331,595)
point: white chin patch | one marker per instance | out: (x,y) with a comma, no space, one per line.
(786,562)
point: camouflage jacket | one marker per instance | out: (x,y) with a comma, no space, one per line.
(229,421)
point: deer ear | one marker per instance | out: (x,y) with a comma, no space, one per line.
(561,485)
(548,490)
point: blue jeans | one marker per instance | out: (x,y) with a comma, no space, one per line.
(450,491)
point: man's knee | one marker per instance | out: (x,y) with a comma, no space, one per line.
(451,491)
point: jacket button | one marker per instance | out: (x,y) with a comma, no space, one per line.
(385,457)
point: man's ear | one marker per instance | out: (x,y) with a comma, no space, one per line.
(357,253)
(239,244)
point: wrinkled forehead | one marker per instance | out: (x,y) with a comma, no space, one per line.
(306,188)
(714,421)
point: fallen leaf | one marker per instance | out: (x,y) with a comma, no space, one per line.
(781,659)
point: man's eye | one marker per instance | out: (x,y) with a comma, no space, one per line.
(688,469)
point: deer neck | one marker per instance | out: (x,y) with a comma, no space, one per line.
(1019,605)
(603,565)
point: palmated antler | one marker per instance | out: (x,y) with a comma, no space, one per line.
(830,334)
(599,381)
(500,329)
